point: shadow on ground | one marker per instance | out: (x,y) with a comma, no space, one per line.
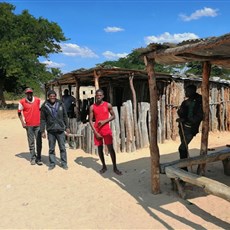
(150,202)
(45,159)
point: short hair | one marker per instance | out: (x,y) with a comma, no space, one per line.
(99,91)
(51,92)
(191,87)
(66,91)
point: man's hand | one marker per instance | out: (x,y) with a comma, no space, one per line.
(98,136)
(43,135)
(67,131)
(23,124)
(101,123)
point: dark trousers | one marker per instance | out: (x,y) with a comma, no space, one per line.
(34,138)
(60,138)
(185,140)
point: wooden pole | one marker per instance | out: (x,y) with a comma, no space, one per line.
(60,91)
(97,75)
(77,111)
(154,150)
(205,123)
(111,92)
(136,130)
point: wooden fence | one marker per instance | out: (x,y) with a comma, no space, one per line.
(131,130)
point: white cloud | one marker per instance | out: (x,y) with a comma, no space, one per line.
(110,55)
(205,12)
(73,50)
(51,64)
(113,29)
(171,38)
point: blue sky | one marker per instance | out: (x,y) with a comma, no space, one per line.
(106,30)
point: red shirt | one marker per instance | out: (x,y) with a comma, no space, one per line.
(101,112)
(30,110)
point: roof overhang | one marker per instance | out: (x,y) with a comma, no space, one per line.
(216,50)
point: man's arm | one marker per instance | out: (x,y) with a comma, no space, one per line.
(91,118)
(91,115)
(21,119)
(20,116)
(43,122)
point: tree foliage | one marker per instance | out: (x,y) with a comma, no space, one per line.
(23,40)
(133,61)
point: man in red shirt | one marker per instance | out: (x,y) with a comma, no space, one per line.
(29,115)
(103,113)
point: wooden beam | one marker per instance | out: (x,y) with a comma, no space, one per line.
(202,159)
(210,186)
(154,150)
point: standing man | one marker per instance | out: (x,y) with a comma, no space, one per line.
(29,115)
(101,111)
(69,102)
(54,119)
(190,116)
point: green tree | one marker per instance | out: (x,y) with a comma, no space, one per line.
(23,40)
(133,61)
(195,68)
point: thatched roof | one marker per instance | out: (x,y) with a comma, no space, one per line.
(112,74)
(216,50)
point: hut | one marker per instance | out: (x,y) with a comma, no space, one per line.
(209,51)
(128,91)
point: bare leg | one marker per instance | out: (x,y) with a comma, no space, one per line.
(101,156)
(113,157)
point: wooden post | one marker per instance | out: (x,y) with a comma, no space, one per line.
(60,92)
(154,150)
(136,130)
(77,110)
(111,92)
(97,75)
(205,123)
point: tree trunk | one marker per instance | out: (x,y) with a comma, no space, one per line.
(2,82)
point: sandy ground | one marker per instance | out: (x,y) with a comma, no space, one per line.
(32,197)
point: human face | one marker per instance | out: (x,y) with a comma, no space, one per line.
(29,96)
(52,98)
(99,97)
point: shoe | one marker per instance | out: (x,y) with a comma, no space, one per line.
(51,167)
(33,162)
(65,167)
(39,162)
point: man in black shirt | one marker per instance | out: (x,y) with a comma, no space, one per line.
(190,116)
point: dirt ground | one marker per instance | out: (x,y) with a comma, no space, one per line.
(32,197)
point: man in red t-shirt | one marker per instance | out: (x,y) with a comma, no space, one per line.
(103,113)
(29,115)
